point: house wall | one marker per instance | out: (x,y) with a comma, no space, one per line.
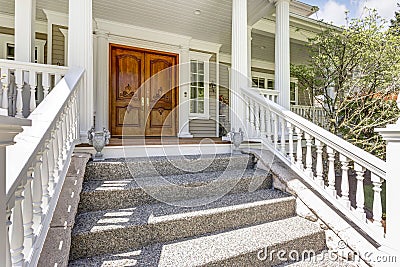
(58,46)
(9,32)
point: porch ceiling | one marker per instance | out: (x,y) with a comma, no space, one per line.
(174,16)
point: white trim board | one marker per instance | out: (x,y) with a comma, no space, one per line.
(255,63)
(159,150)
(8,21)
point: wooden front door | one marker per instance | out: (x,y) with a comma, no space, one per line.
(142,92)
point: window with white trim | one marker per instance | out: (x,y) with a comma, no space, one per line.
(199,88)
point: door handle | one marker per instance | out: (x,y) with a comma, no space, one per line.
(148,102)
(142,103)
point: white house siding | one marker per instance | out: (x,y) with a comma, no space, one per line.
(58,49)
(207,128)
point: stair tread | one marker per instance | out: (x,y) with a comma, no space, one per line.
(214,248)
(188,179)
(105,220)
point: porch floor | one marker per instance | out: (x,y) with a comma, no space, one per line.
(136,141)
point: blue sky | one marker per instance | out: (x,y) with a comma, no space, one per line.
(334,10)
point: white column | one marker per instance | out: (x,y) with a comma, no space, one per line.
(249,39)
(102,80)
(25,13)
(80,53)
(282,53)
(9,128)
(184,87)
(392,135)
(239,67)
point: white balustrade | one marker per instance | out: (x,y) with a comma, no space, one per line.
(24,76)
(293,137)
(314,114)
(37,166)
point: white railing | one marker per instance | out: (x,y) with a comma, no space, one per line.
(36,168)
(314,114)
(268,93)
(24,85)
(317,155)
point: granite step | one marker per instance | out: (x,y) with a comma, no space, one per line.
(173,189)
(112,231)
(112,169)
(239,247)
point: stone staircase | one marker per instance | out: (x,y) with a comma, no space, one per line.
(186,211)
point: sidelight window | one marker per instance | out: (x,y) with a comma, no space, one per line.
(199,77)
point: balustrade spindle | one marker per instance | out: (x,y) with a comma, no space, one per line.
(247,103)
(60,144)
(345,181)
(263,123)
(268,119)
(377,206)
(291,147)
(51,165)
(17,229)
(331,171)
(19,80)
(252,123)
(319,167)
(64,136)
(257,119)
(309,171)
(283,137)
(360,199)
(8,223)
(32,85)
(46,78)
(299,150)
(37,193)
(276,133)
(27,214)
(4,100)
(45,177)
(55,156)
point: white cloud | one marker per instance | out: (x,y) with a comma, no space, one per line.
(385,8)
(333,12)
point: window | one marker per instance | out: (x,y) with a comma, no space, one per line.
(258,82)
(199,77)
(293,93)
(10,52)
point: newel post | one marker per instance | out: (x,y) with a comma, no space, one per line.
(9,128)
(392,136)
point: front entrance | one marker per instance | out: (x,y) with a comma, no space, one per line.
(143,92)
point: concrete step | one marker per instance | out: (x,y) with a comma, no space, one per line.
(173,189)
(240,247)
(112,169)
(102,232)
(324,259)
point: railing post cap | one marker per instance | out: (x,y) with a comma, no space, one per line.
(390,133)
(10,127)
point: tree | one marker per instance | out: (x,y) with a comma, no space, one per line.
(354,74)
(395,23)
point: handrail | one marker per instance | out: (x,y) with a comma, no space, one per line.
(36,168)
(357,154)
(317,156)
(12,64)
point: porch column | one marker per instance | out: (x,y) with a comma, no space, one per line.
(249,39)
(184,87)
(282,53)
(80,53)
(392,136)
(102,95)
(239,67)
(24,30)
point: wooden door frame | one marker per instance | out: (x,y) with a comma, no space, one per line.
(143,50)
